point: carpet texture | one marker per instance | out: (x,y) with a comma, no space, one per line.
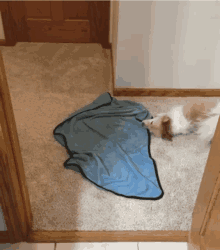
(47,83)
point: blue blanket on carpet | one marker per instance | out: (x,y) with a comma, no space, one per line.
(109,146)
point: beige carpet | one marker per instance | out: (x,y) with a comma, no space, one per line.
(48,82)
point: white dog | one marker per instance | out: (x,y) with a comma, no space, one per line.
(200,117)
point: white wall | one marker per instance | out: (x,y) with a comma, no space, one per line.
(173,44)
(133,43)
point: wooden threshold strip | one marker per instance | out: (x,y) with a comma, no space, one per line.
(107,236)
(166,92)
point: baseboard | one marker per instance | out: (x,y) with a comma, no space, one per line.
(4,237)
(166,92)
(106,236)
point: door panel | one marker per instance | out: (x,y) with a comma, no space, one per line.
(60,32)
(57,10)
(38,10)
(57,21)
(81,12)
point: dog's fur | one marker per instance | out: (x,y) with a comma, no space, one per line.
(200,117)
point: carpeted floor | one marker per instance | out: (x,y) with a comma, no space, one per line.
(48,82)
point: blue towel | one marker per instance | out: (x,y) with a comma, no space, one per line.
(109,146)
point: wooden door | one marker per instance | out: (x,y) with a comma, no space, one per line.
(62,21)
(205,229)
(58,21)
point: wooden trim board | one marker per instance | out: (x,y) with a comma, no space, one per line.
(114,38)
(207,194)
(166,92)
(106,236)
(15,197)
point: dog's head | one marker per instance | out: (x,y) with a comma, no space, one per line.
(160,126)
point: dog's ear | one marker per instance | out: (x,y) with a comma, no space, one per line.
(165,119)
(166,132)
